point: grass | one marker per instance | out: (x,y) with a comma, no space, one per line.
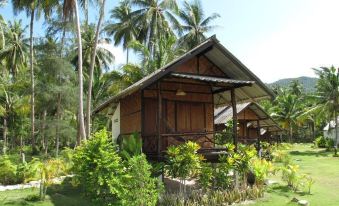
(321,166)
(318,163)
(58,195)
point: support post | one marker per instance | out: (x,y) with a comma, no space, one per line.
(235,119)
(159,121)
(258,133)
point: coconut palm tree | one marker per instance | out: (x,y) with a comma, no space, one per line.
(122,28)
(152,19)
(2,32)
(103,58)
(195,25)
(286,110)
(91,68)
(14,54)
(327,94)
(164,51)
(71,10)
(13,104)
(33,8)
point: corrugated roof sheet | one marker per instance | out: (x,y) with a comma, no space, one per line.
(212,79)
(222,58)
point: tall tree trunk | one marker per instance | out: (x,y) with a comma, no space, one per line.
(63,38)
(127,55)
(57,130)
(336,130)
(78,132)
(4,134)
(91,71)
(42,135)
(43,131)
(32,80)
(2,30)
(80,76)
(291,134)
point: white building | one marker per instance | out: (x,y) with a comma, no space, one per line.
(329,130)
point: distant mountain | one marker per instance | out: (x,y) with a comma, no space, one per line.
(308,83)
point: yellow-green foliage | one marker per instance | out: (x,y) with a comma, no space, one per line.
(205,177)
(139,187)
(261,168)
(280,156)
(7,171)
(290,175)
(109,180)
(183,160)
(212,197)
(99,168)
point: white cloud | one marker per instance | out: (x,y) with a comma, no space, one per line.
(309,40)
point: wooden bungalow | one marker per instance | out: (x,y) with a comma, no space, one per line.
(176,103)
(254,124)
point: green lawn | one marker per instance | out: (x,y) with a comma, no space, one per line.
(58,195)
(318,163)
(321,166)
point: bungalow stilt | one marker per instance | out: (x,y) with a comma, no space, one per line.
(235,119)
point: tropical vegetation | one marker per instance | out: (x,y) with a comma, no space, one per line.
(52,78)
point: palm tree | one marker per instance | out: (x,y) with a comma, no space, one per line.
(3,2)
(327,94)
(71,9)
(122,30)
(91,68)
(152,19)
(165,51)
(12,103)
(296,88)
(15,51)
(103,58)
(33,8)
(2,32)
(286,110)
(195,25)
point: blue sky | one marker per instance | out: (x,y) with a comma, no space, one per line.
(275,39)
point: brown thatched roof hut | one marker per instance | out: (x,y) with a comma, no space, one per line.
(254,123)
(176,103)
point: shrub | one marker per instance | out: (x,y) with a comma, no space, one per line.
(33,198)
(307,182)
(222,177)
(329,143)
(212,197)
(7,171)
(183,161)
(261,168)
(131,145)
(226,135)
(28,171)
(320,142)
(67,155)
(48,170)
(140,188)
(205,177)
(99,168)
(280,156)
(290,176)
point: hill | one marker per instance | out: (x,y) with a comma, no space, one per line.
(308,83)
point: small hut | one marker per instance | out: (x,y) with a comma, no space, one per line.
(254,124)
(176,103)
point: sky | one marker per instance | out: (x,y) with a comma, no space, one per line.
(275,39)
